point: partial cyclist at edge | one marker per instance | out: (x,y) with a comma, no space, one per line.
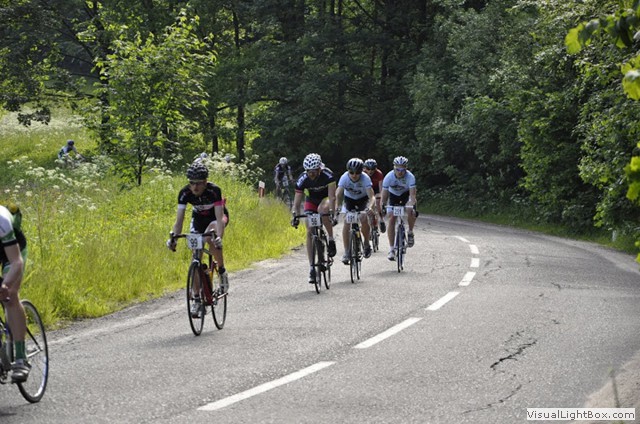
(319,184)
(208,214)
(13,256)
(376,175)
(355,193)
(281,170)
(399,189)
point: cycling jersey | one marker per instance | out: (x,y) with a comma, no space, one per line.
(9,234)
(203,212)
(398,186)
(355,190)
(317,189)
(280,171)
(66,149)
(375,180)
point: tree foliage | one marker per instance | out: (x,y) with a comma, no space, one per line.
(493,101)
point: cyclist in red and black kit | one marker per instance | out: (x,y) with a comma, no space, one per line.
(319,184)
(208,213)
(371,169)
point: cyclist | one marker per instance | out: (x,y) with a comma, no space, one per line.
(13,256)
(399,189)
(319,184)
(371,169)
(208,213)
(282,169)
(355,189)
(63,154)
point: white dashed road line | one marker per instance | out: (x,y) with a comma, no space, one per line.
(388,333)
(265,387)
(442,301)
(466,280)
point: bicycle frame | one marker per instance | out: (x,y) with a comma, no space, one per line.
(202,286)
(319,242)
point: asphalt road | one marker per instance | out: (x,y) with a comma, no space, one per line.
(484,322)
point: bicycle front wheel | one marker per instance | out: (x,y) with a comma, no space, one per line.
(37,351)
(353,262)
(317,263)
(400,246)
(219,305)
(194,289)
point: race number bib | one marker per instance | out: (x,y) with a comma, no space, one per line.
(351,218)
(398,211)
(194,241)
(314,220)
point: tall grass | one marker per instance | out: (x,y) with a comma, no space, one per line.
(94,248)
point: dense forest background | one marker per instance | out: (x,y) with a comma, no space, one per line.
(482,96)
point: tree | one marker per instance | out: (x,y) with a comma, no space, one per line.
(155,94)
(622,27)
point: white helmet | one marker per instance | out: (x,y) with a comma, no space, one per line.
(312,161)
(400,161)
(283,161)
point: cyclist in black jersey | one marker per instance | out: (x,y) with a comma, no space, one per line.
(208,213)
(319,184)
(13,256)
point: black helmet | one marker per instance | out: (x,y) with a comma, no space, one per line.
(70,142)
(355,165)
(197,171)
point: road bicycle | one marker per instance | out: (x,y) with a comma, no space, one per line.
(400,242)
(321,261)
(356,244)
(36,349)
(284,192)
(199,284)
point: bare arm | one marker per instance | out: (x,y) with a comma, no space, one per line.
(177,227)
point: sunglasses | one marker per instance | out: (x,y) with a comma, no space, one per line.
(355,173)
(401,169)
(196,182)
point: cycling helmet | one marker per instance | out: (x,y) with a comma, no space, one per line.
(400,161)
(70,142)
(197,171)
(312,161)
(355,165)
(283,161)
(370,164)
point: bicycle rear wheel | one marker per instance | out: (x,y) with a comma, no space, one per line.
(400,246)
(37,351)
(196,275)
(375,239)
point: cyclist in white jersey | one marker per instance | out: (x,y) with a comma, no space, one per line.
(355,188)
(399,189)
(12,257)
